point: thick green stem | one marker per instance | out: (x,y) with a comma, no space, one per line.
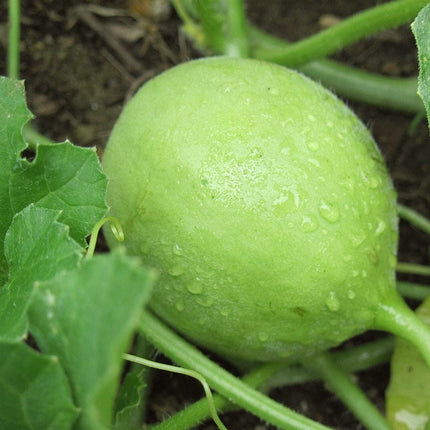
(382,91)
(237,42)
(184,354)
(414,218)
(397,318)
(411,290)
(14,37)
(414,269)
(351,360)
(368,22)
(399,94)
(199,411)
(273,375)
(341,384)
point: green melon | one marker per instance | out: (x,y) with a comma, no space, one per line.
(263,202)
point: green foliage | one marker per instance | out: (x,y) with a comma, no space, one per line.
(54,179)
(77,317)
(82,313)
(35,394)
(420,28)
(36,247)
(130,402)
(14,114)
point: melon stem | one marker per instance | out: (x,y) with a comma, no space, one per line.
(396,317)
(347,390)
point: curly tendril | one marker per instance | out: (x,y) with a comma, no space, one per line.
(116,228)
(182,371)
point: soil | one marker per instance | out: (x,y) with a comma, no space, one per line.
(82,61)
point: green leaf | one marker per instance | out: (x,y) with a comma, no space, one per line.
(37,246)
(408,394)
(87,317)
(13,116)
(421,30)
(63,177)
(132,398)
(129,403)
(34,391)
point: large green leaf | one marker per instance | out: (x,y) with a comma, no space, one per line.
(87,317)
(36,247)
(34,391)
(61,176)
(421,30)
(408,395)
(13,115)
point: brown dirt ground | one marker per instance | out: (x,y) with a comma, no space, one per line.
(77,82)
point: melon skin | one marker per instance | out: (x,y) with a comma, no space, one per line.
(262,201)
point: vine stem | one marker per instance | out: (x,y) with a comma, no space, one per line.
(14,37)
(349,392)
(350,30)
(186,372)
(416,269)
(378,90)
(272,375)
(184,354)
(399,94)
(199,411)
(411,290)
(237,42)
(396,317)
(414,218)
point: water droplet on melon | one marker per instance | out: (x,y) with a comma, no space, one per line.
(380,228)
(358,239)
(195,287)
(286,202)
(205,301)
(308,224)
(263,336)
(332,302)
(329,212)
(314,162)
(313,146)
(177,250)
(179,305)
(370,180)
(351,294)
(176,270)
